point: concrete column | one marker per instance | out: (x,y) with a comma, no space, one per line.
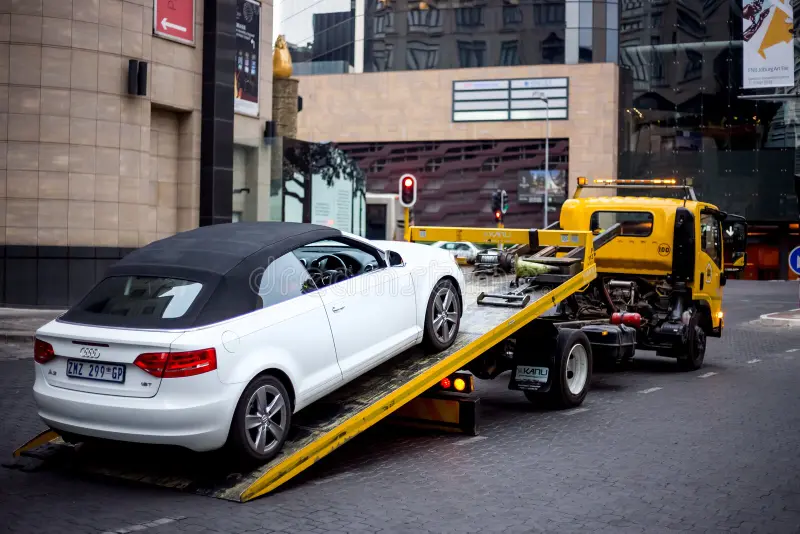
(284,106)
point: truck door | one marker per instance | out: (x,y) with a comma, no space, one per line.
(709,263)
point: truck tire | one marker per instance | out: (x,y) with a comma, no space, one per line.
(694,352)
(573,368)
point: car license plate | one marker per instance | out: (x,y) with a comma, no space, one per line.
(107,372)
(526,373)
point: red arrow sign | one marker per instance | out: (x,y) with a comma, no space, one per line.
(174,20)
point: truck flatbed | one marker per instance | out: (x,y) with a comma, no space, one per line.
(320,428)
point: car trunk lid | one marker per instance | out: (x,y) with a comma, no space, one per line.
(101,360)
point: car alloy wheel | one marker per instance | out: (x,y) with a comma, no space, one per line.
(265,419)
(445,314)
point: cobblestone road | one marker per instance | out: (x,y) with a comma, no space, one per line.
(652,450)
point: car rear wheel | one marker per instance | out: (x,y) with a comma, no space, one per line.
(261,421)
(443,317)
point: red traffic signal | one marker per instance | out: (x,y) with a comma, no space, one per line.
(498,215)
(408,190)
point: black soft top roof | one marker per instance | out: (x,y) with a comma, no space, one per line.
(228,259)
(217,249)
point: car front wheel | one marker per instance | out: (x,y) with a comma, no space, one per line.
(442,317)
(261,421)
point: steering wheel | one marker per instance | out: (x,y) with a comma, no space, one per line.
(323,275)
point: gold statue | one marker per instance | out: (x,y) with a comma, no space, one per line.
(281,59)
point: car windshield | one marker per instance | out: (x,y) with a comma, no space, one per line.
(140,297)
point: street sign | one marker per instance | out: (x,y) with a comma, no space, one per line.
(794,260)
(174,20)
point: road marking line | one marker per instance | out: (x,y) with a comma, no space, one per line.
(754,360)
(145,526)
(707,375)
(650,390)
(332,479)
(578,410)
(470,440)
(792,350)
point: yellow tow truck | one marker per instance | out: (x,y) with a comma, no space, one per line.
(659,282)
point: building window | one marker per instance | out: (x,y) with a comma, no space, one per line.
(694,65)
(424,21)
(548,14)
(512,15)
(553,49)
(383,60)
(471,54)
(509,53)
(469,17)
(421,56)
(383,21)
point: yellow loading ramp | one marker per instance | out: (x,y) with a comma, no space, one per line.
(330,422)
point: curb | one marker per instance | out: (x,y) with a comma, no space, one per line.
(781,321)
(16,336)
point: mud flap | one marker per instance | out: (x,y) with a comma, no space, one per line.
(535,370)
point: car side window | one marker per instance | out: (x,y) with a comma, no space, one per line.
(284,279)
(710,237)
(332,261)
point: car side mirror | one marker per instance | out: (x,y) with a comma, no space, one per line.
(395,260)
(723,279)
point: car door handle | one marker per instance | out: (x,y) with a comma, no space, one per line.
(337,308)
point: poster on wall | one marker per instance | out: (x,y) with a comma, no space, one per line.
(767,44)
(531,186)
(248,35)
(332,205)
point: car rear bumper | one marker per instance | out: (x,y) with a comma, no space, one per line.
(195,413)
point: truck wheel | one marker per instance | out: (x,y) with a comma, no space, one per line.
(694,352)
(573,368)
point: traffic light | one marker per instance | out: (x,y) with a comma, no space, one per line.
(408,190)
(504,201)
(497,205)
(496,201)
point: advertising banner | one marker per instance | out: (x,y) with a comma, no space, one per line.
(531,187)
(248,35)
(767,44)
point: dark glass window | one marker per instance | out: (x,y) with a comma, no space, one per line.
(284,279)
(634,223)
(136,297)
(509,53)
(471,53)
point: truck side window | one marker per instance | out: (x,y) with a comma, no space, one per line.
(711,238)
(634,223)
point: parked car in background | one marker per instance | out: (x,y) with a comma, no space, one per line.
(464,251)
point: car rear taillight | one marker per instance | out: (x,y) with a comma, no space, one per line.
(42,351)
(152,363)
(177,364)
(191,363)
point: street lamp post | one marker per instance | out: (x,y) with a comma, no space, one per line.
(543,97)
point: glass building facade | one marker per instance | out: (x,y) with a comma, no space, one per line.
(686,113)
(342,36)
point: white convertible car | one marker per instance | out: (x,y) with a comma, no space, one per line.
(214,337)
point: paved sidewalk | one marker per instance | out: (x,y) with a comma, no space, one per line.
(19,324)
